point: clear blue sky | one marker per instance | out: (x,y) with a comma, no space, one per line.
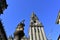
(46,10)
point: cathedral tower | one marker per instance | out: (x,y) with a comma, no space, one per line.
(19,33)
(2,32)
(36,31)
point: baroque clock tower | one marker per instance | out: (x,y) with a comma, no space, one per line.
(19,33)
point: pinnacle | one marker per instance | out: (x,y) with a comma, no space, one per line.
(21,23)
(34,16)
(58,17)
(35,20)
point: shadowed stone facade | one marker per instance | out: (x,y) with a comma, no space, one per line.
(3,6)
(2,32)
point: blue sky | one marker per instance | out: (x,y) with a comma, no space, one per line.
(46,10)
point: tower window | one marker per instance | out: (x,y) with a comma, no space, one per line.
(34,21)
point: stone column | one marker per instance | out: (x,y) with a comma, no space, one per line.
(44,36)
(41,36)
(37,33)
(33,33)
(30,33)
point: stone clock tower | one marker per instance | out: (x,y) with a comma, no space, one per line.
(36,31)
